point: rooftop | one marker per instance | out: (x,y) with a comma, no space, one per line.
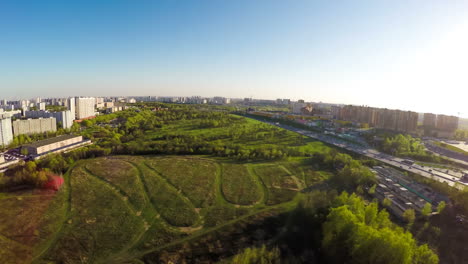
(49,141)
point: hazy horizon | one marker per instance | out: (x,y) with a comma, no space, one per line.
(399,55)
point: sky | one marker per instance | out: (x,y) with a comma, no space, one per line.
(409,55)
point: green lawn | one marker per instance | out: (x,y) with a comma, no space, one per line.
(174,208)
(279,183)
(192,176)
(238,186)
(274,176)
(122,175)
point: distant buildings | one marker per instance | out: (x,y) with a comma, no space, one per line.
(64,118)
(71,106)
(10,114)
(220,100)
(297,107)
(283,101)
(447,123)
(84,107)
(440,125)
(429,120)
(6,132)
(396,120)
(41,106)
(34,126)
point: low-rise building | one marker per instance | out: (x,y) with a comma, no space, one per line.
(55,145)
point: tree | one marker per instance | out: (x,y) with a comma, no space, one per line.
(427,210)
(386,202)
(41,178)
(258,255)
(441,207)
(360,190)
(372,189)
(409,215)
(356,232)
(24,151)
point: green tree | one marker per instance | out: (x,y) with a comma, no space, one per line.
(386,202)
(426,210)
(258,256)
(409,215)
(441,207)
(24,151)
(356,232)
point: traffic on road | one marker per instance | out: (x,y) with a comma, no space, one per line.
(452,178)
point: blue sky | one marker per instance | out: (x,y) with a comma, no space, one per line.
(397,54)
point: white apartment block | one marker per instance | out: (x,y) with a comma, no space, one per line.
(34,126)
(85,107)
(65,118)
(71,104)
(41,106)
(6,132)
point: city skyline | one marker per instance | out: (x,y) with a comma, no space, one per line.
(398,55)
(292,101)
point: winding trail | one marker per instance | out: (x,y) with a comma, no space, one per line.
(299,184)
(115,189)
(209,230)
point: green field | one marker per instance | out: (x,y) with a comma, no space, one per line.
(193,177)
(120,208)
(238,186)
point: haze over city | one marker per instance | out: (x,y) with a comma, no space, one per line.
(396,54)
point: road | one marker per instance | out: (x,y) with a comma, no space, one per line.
(452,178)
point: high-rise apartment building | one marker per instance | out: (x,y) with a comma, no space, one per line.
(429,120)
(85,107)
(447,123)
(397,120)
(440,125)
(71,104)
(41,106)
(6,132)
(64,118)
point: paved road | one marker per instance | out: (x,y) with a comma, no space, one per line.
(451,178)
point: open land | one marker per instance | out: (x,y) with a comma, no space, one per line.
(120,208)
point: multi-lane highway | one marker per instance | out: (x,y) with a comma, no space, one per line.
(450,177)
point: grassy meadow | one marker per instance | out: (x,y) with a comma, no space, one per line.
(120,208)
